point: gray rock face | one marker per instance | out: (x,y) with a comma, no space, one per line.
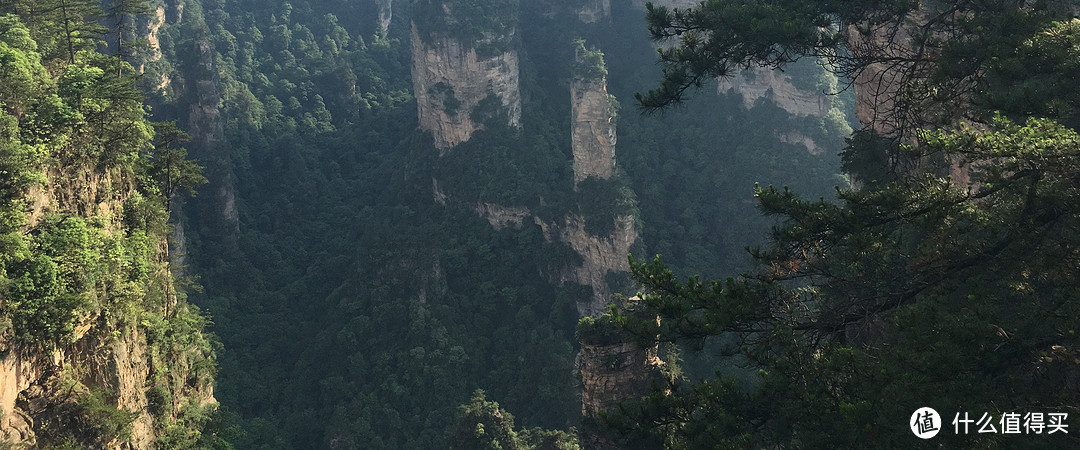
(594,130)
(450,79)
(386,13)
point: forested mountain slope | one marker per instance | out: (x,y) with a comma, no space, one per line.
(98,346)
(409,201)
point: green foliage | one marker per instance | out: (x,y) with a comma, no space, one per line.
(451,104)
(86,419)
(588,62)
(170,166)
(1034,78)
(486,25)
(354,310)
(103,420)
(482,424)
(602,202)
(927,285)
(82,258)
(916,289)
(601,330)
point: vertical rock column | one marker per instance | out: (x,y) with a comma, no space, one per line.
(593,141)
(592,112)
(386,13)
(450,79)
(612,371)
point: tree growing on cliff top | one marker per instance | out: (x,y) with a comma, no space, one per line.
(958,293)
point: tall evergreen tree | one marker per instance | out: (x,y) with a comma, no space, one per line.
(121,16)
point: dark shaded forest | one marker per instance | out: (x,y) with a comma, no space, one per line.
(373,224)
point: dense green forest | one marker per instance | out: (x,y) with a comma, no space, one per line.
(356,297)
(357,311)
(240,224)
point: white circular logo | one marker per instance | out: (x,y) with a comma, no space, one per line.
(925,423)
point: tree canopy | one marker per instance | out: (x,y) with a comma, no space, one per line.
(950,284)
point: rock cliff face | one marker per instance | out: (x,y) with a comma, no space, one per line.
(207,131)
(614,373)
(877,86)
(593,128)
(386,13)
(502,216)
(40,389)
(450,79)
(600,255)
(775,86)
(594,11)
(593,143)
(107,354)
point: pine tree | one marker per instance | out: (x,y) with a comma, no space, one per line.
(922,290)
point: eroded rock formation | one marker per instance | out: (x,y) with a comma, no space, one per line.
(40,389)
(502,216)
(594,11)
(601,255)
(775,86)
(386,13)
(450,79)
(593,127)
(614,373)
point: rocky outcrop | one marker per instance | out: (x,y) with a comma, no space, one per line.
(593,127)
(18,371)
(593,143)
(437,193)
(39,389)
(153,25)
(878,85)
(613,373)
(450,79)
(386,13)
(208,131)
(776,87)
(795,137)
(601,255)
(153,28)
(612,370)
(594,11)
(502,216)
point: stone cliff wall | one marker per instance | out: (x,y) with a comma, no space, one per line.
(450,79)
(775,86)
(593,129)
(600,255)
(386,13)
(877,86)
(37,387)
(594,11)
(612,373)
